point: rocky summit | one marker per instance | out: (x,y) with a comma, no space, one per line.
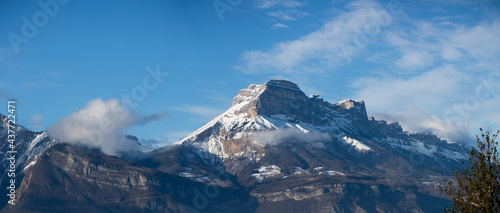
(274,150)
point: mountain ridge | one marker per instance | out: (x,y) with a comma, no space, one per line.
(315,140)
(283,149)
(280,104)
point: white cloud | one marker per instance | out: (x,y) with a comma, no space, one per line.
(481,41)
(451,54)
(445,101)
(415,60)
(263,4)
(287,15)
(101,124)
(280,25)
(424,43)
(414,120)
(475,49)
(322,49)
(427,91)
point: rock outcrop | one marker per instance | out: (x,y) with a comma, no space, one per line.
(72,179)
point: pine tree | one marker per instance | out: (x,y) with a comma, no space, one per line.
(477,189)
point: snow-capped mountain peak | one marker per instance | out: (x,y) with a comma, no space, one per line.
(279,111)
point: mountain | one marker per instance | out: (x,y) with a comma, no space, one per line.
(274,150)
(295,150)
(279,111)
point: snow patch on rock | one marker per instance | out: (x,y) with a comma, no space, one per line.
(266,172)
(356,144)
(332,173)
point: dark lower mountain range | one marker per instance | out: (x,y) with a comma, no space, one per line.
(72,179)
(274,150)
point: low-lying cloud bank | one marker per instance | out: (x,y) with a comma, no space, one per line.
(289,135)
(101,124)
(418,121)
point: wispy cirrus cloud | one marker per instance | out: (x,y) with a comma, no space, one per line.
(263,4)
(426,91)
(446,101)
(409,100)
(415,60)
(319,50)
(280,17)
(425,42)
(460,100)
(287,15)
(280,25)
(480,41)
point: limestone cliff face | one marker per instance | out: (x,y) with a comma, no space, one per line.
(281,97)
(274,97)
(72,179)
(344,197)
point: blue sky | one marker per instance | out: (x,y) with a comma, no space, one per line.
(431,65)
